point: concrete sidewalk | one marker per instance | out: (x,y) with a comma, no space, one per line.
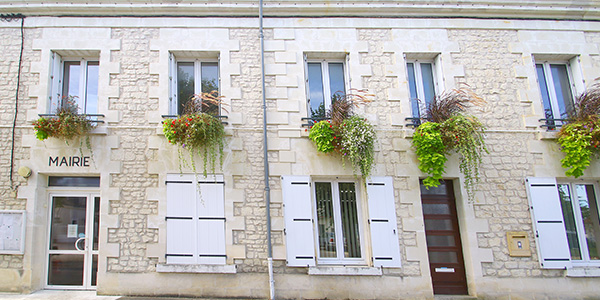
(82,295)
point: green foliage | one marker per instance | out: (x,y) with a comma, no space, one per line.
(199,133)
(358,144)
(67,125)
(579,140)
(323,135)
(431,151)
(464,135)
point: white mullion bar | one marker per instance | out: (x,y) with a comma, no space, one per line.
(81,101)
(197,77)
(326,84)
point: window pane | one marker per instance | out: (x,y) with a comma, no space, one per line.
(433,224)
(412,85)
(563,89)
(74,181)
(569,218)
(434,190)
(65,269)
(68,222)
(315,85)
(349,220)
(428,88)
(437,257)
(210,82)
(71,76)
(336,81)
(440,241)
(589,215)
(185,84)
(325,219)
(544,89)
(436,209)
(91,97)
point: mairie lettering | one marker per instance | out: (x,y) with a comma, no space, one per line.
(69,161)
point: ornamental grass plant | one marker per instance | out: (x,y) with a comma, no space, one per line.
(579,138)
(447,128)
(198,133)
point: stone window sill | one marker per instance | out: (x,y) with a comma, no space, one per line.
(347,271)
(214,269)
(583,272)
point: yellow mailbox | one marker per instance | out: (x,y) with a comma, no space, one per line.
(518,243)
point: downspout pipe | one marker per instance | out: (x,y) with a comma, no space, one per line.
(266,155)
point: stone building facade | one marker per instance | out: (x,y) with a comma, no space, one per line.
(498,50)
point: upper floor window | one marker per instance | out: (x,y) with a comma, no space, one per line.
(556,88)
(421,85)
(190,78)
(76,79)
(325,83)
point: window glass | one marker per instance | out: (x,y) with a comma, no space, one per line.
(428,88)
(589,215)
(563,89)
(325,219)
(209,83)
(569,218)
(336,81)
(71,76)
(349,220)
(74,181)
(315,84)
(185,84)
(91,97)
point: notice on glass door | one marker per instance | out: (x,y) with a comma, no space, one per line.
(72,230)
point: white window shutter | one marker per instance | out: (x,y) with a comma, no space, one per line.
(172,84)
(550,232)
(382,218)
(211,222)
(56,83)
(181,197)
(300,243)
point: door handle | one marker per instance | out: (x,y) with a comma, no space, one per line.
(77,244)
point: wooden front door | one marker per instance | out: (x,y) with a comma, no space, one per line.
(443,240)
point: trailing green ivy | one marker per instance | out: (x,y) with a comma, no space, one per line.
(431,151)
(579,141)
(323,135)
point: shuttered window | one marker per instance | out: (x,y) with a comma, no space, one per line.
(323,222)
(549,226)
(195,220)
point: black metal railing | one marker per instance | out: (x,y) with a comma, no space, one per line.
(551,123)
(177,116)
(91,117)
(312,121)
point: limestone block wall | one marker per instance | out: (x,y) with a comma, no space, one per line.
(494,58)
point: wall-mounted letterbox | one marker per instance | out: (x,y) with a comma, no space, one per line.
(518,243)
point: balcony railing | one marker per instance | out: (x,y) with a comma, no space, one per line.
(91,117)
(177,116)
(551,123)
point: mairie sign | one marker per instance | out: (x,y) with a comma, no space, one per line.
(69,161)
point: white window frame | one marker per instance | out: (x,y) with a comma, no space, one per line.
(339,260)
(419,84)
(173,99)
(585,261)
(325,80)
(550,82)
(58,82)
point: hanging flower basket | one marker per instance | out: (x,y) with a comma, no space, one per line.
(579,139)
(348,135)
(197,133)
(448,129)
(67,124)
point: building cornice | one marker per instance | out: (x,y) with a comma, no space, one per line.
(509,9)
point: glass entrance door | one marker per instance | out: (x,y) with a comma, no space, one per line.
(73,243)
